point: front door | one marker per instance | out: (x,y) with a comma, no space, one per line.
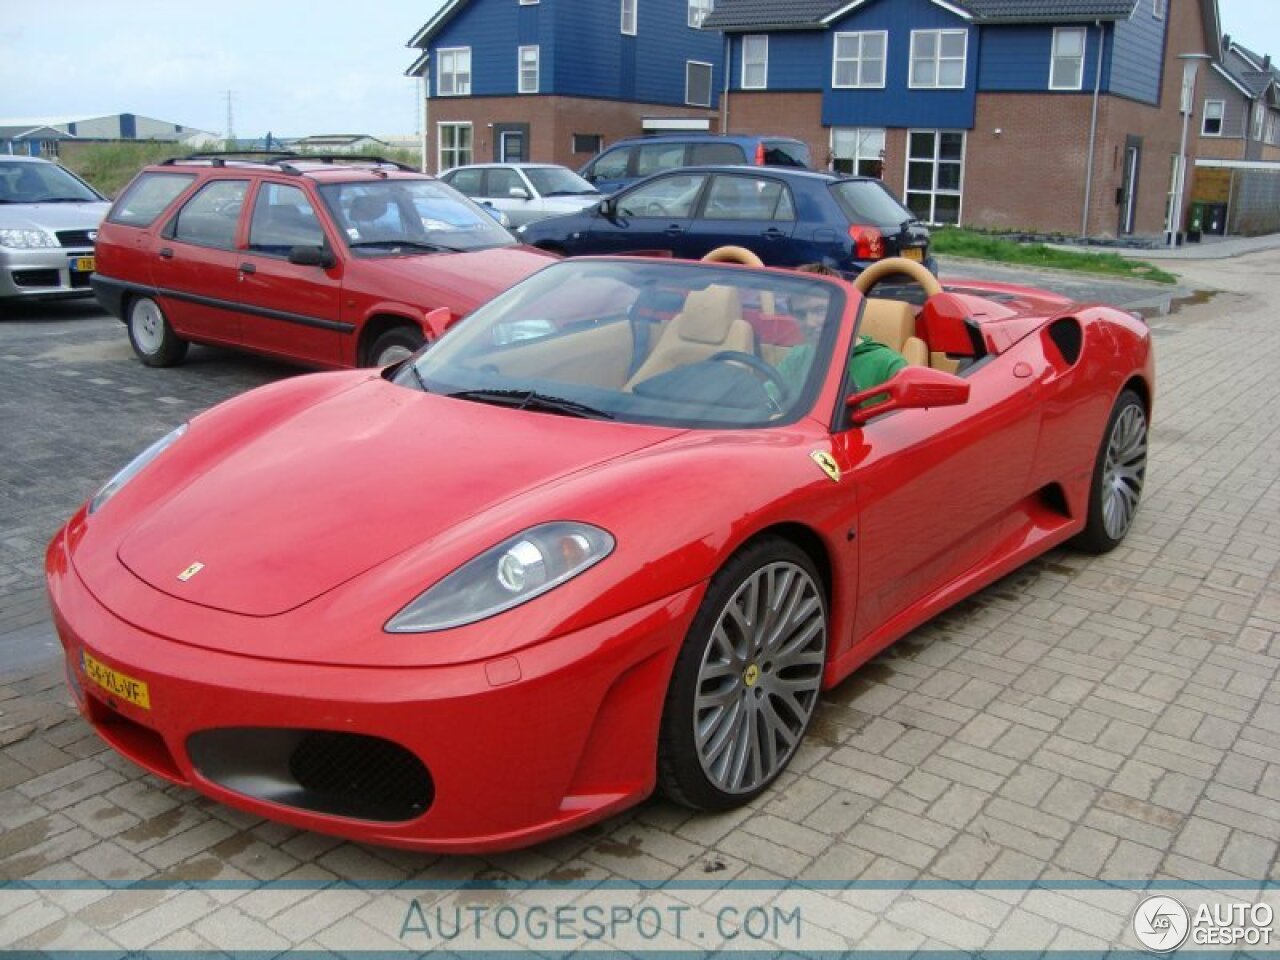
(655,215)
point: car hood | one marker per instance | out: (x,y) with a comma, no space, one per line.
(571,204)
(471,277)
(53,216)
(272,522)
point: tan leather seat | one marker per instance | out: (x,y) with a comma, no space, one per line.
(710,322)
(893,323)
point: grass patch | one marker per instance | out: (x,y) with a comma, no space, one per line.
(980,246)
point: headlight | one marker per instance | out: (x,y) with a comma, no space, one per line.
(135,466)
(27,239)
(518,569)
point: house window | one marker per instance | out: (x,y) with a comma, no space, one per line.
(938,58)
(1259,114)
(455,145)
(858,59)
(527,3)
(935,174)
(697,83)
(629,17)
(858,151)
(587,143)
(1067,70)
(1211,124)
(1158,8)
(528,58)
(755,62)
(698,10)
(453,76)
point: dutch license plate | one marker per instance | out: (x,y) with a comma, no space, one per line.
(83,265)
(116,683)
(914,253)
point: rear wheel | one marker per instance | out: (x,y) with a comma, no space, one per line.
(394,345)
(152,338)
(747,679)
(1118,476)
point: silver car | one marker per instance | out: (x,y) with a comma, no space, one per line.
(48,221)
(525,192)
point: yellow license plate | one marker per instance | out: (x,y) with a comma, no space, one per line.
(83,265)
(116,683)
(913,253)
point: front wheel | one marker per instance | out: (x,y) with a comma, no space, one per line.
(747,679)
(394,345)
(1118,476)
(152,338)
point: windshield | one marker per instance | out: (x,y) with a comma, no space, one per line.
(870,202)
(42,183)
(558,182)
(639,341)
(398,216)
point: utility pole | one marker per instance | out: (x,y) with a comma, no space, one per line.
(231,126)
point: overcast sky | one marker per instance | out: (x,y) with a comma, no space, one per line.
(293,68)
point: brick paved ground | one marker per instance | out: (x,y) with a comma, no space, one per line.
(1085,718)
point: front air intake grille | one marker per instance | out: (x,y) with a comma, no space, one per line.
(76,238)
(36,278)
(340,774)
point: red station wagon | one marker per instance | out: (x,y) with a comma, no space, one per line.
(331,261)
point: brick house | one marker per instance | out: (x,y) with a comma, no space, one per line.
(554,80)
(1240,107)
(1054,115)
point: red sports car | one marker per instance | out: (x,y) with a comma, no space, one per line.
(617,530)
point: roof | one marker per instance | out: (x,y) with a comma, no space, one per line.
(733,15)
(20,131)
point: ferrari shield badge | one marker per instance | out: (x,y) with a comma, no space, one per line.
(827,464)
(191,571)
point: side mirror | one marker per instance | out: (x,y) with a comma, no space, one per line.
(437,321)
(308,256)
(518,193)
(914,388)
(606,208)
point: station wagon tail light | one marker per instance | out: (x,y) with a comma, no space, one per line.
(760,155)
(868,242)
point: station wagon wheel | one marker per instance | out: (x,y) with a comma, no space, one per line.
(151,336)
(394,345)
(747,679)
(1118,476)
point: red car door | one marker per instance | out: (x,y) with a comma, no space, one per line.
(193,263)
(940,490)
(287,308)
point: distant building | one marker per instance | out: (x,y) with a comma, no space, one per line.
(340,143)
(40,136)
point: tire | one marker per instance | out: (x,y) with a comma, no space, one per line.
(151,336)
(729,668)
(394,345)
(1118,476)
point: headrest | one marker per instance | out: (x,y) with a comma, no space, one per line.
(889,321)
(709,314)
(368,207)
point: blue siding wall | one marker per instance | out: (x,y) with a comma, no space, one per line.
(1138,57)
(1017,59)
(593,58)
(897,105)
(797,61)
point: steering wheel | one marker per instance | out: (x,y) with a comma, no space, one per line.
(766,373)
(733,255)
(891,266)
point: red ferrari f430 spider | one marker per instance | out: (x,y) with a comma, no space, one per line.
(616,531)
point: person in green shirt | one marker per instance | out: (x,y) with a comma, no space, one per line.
(871,364)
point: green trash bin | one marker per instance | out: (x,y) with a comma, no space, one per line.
(1195,222)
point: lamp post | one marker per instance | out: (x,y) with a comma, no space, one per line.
(1190,66)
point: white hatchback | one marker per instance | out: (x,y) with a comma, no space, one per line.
(525,192)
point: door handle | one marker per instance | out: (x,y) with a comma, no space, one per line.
(166,253)
(248,268)
(773,233)
(674,230)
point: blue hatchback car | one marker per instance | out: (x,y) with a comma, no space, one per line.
(786,217)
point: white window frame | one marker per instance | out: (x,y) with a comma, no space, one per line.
(440,149)
(1054,57)
(1221,118)
(699,10)
(528,3)
(629,16)
(711,82)
(450,55)
(934,192)
(521,86)
(1158,8)
(1259,116)
(860,60)
(938,60)
(764,83)
(859,135)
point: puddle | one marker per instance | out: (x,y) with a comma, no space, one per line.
(627,851)
(1169,306)
(157,828)
(565,875)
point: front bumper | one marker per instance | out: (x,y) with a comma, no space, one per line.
(47,273)
(518,749)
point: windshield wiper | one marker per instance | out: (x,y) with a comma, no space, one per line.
(412,244)
(532,400)
(64,200)
(569,193)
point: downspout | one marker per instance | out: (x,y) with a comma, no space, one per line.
(728,72)
(1093,131)
(422,140)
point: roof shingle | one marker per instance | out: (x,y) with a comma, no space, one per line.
(802,14)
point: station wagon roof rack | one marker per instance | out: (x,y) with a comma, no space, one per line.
(286,160)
